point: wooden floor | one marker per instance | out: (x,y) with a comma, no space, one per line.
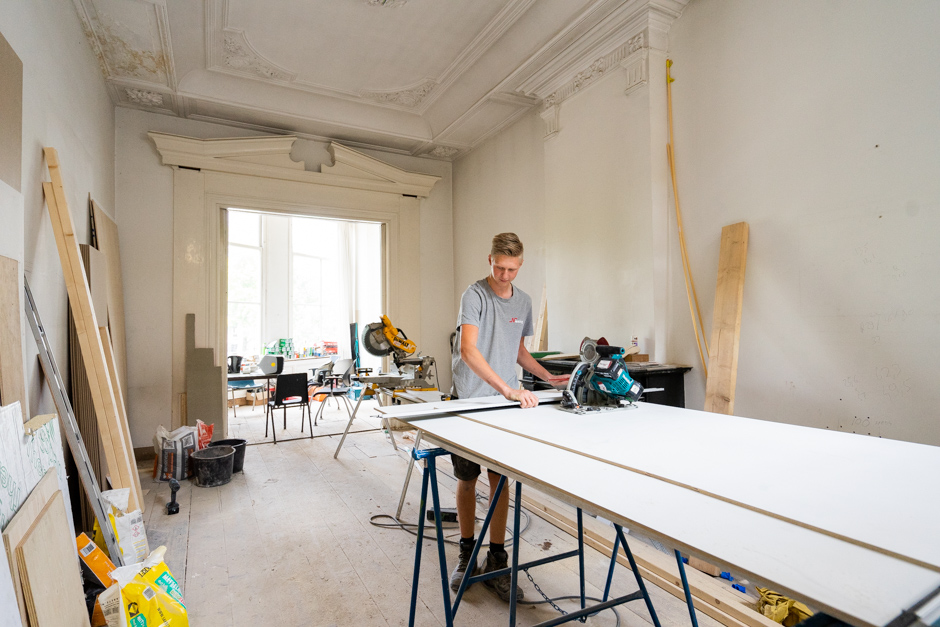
(289,542)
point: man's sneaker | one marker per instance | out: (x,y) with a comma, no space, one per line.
(463,564)
(502,584)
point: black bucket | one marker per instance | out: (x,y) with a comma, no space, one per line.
(239,445)
(213,466)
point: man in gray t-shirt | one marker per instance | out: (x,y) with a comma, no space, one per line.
(495,317)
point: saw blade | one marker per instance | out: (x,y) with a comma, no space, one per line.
(377,346)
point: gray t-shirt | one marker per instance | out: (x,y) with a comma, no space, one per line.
(502,323)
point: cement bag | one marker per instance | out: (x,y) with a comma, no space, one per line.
(173,452)
(128,527)
(144,595)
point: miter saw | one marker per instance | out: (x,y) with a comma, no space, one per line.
(600,382)
(381,339)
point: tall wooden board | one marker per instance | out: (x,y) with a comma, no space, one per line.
(115,385)
(12,382)
(106,233)
(19,526)
(119,454)
(48,565)
(726,321)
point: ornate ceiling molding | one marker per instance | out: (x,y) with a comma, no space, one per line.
(389,4)
(597,69)
(270,157)
(143,97)
(410,97)
(239,55)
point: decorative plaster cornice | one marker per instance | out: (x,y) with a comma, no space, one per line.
(637,67)
(269,157)
(143,97)
(444,152)
(410,97)
(238,55)
(390,4)
(595,70)
(550,116)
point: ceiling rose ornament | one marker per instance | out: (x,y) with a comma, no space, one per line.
(409,98)
(392,4)
(143,97)
(237,54)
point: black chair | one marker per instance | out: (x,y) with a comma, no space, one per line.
(290,391)
(336,385)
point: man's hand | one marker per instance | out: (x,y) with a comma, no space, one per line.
(525,397)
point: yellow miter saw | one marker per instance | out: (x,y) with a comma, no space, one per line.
(382,338)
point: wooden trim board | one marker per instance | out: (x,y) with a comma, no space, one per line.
(48,566)
(20,525)
(726,321)
(12,380)
(119,397)
(119,455)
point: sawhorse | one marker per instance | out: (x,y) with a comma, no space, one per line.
(429,477)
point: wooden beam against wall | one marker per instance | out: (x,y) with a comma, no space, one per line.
(726,322)
(12,382)
(118,453)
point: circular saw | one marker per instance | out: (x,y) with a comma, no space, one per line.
(383,338)
(601,381)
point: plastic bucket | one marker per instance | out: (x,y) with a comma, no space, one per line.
(239,445)
(213,466)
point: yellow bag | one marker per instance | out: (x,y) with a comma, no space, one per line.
(781,609)
(145,595)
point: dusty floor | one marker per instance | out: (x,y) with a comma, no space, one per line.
(289,542)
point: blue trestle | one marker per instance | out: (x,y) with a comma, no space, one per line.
(430,477)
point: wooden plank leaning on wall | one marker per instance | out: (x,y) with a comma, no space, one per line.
(12,383)
(118,452)
(726,321)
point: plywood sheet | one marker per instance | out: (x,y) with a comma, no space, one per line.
(832,477)
(106,233)
(11,116)
(12,382)
(205,383)
(19,526)
(118,452)
(9,617)
(49,572)
(726,321)
(844,579)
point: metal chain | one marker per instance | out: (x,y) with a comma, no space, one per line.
(549,599)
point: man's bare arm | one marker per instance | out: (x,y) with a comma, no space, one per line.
(481,368)
(527,361)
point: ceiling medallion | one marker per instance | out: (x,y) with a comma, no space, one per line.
(387,3)
(143,97)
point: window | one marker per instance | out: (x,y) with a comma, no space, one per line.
(245,272)
(312,247)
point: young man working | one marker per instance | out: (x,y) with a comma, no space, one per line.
(494,319)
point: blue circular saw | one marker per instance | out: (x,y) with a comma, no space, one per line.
(600,381)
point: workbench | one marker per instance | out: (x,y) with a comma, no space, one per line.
(846,523)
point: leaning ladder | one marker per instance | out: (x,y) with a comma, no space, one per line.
(72,434)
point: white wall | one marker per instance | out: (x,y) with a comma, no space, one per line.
(818,125)
(500,187)
(66,106)
(144,195)
(815,124)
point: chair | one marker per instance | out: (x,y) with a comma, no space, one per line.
(248,386)
(340,379)
(290,391)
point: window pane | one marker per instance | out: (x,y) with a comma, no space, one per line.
(311,236)
(306,280)
(307,323)
(244,228)
(244,274)
(244,329)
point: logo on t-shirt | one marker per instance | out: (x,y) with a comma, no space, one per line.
(516,320)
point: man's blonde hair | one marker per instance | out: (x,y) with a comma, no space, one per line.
(507,244)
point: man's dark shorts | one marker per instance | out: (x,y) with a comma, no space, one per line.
(464,469)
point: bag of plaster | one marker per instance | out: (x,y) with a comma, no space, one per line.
(144,595)
(204,434)
(127,526)
(173,449)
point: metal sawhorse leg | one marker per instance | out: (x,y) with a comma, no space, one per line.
(430,477)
